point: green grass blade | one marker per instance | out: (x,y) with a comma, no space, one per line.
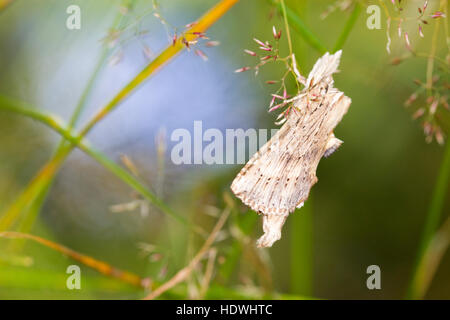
(245,224)
(300,223)
(128,4)
(301,249)
(348,27)
(298,25)
(432,221)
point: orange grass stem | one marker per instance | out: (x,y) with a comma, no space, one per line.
(4,4)
(95,264)
(170,52)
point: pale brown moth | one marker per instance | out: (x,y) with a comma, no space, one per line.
(278,178)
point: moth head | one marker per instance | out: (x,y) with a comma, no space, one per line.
(323,69)
(317,91)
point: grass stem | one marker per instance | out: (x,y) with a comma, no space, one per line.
(54,123)
(432,221)
(348,27)
(36,205)
(95,264)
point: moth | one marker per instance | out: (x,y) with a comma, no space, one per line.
(278,177)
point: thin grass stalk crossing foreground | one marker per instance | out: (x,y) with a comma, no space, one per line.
(51,168)
(185,272)
(431,259)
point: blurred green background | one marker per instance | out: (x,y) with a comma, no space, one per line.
(369,206)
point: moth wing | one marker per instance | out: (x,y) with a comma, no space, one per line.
(339,104)
(332,145)
(250,181)
(277,179)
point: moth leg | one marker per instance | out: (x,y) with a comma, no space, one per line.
(332,145)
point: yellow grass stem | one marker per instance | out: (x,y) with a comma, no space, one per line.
(47,173)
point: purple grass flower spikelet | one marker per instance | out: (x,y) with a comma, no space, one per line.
(439,137)
(420,31)
(438,14)
(174,39)
(212,43)
(272,102)
(277,106)
(276,35)
(431,96)
(250,52)
(243,69)
(411,99)
(433,106)
(262,44)
(408,44)
(277,96)
(201,54)
(420,112)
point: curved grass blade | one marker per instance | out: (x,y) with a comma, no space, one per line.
(431,224)
(348,27)
(51,168)
(36,205)
(54,123)
(181,275)
(431,260)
